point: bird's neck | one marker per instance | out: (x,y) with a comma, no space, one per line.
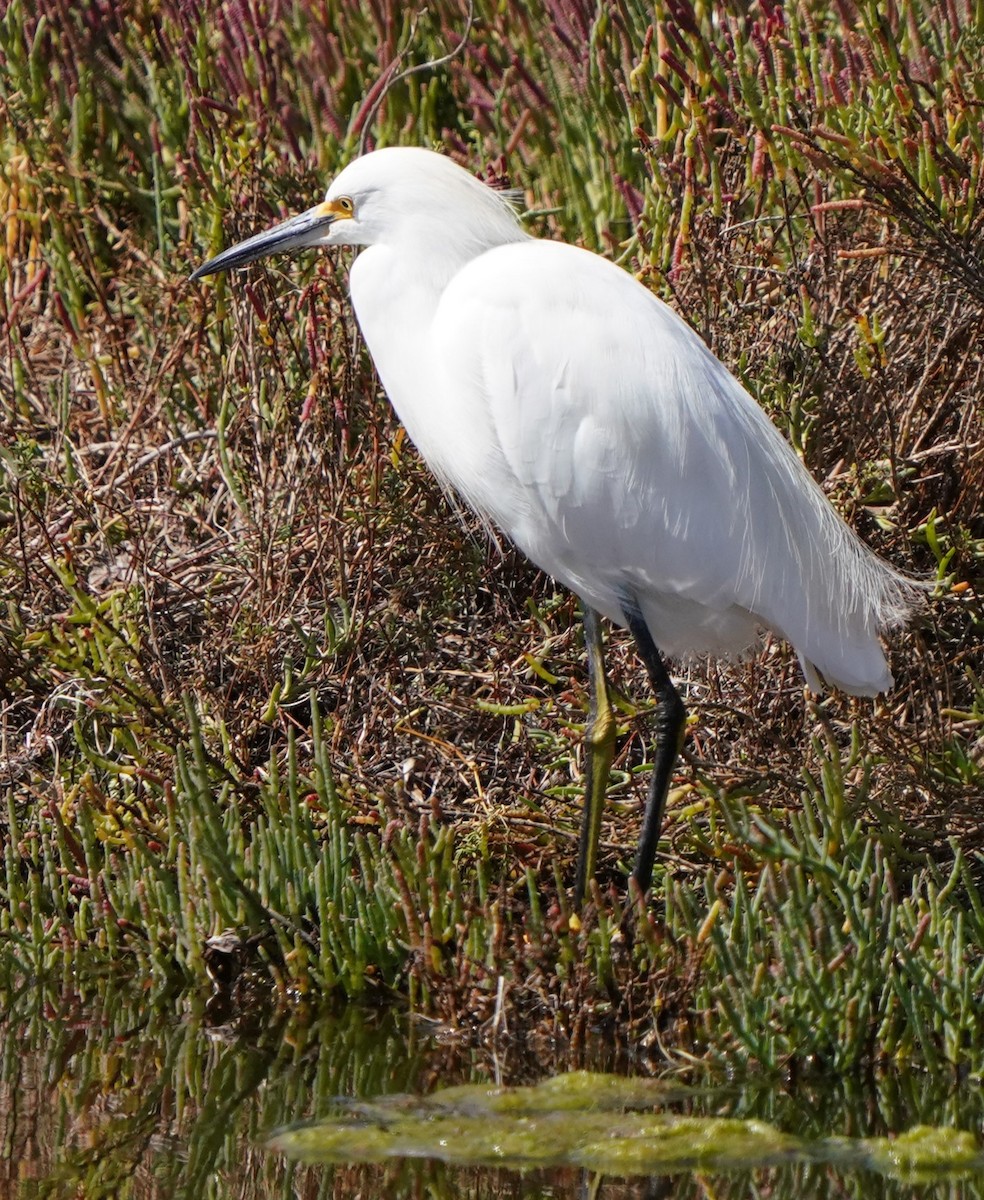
(395,297)
(395,294)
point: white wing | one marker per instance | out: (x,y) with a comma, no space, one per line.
(600,433)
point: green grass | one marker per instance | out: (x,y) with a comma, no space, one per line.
(257,677)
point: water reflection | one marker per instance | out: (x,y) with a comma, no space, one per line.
(115,1096)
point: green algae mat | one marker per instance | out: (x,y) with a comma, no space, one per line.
(608,1124)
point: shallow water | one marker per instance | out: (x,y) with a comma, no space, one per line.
(116,1096)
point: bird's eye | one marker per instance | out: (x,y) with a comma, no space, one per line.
(345,205)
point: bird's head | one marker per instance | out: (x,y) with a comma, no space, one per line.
(400,196)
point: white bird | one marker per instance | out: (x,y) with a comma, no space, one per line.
(566,404)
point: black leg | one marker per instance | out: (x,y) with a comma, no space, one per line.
(598,760)
(670,718)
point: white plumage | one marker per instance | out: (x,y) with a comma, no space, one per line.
(568,405)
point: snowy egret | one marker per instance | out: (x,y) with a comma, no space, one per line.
(568,405)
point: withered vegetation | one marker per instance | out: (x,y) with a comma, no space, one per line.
(213,531)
